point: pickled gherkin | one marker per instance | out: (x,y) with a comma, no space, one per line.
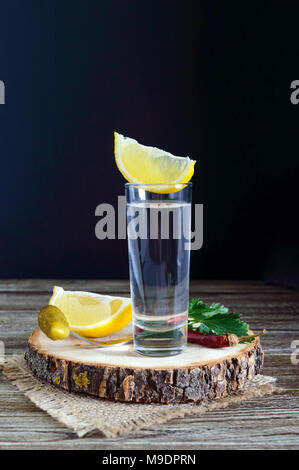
(53,323)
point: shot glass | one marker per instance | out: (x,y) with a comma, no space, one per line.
(159,230)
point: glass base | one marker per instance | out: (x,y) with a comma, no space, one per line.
(159,352)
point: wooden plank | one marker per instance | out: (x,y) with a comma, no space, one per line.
(213,287)
(276,423)
(265,423)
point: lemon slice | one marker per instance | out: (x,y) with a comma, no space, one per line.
(149,165)
(91,314)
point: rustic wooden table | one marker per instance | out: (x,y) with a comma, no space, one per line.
(261,423)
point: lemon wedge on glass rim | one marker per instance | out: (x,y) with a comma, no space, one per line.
(141,164)
(90,314)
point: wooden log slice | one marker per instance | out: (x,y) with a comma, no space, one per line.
(121,374)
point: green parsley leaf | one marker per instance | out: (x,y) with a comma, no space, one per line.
(248,340)
(198,310)
(222,324)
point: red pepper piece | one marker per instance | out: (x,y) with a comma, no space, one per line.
(217,341)
(178,319)
(210,341)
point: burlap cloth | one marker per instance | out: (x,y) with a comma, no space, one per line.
(85,414)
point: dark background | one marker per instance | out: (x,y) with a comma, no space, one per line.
(209,79)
